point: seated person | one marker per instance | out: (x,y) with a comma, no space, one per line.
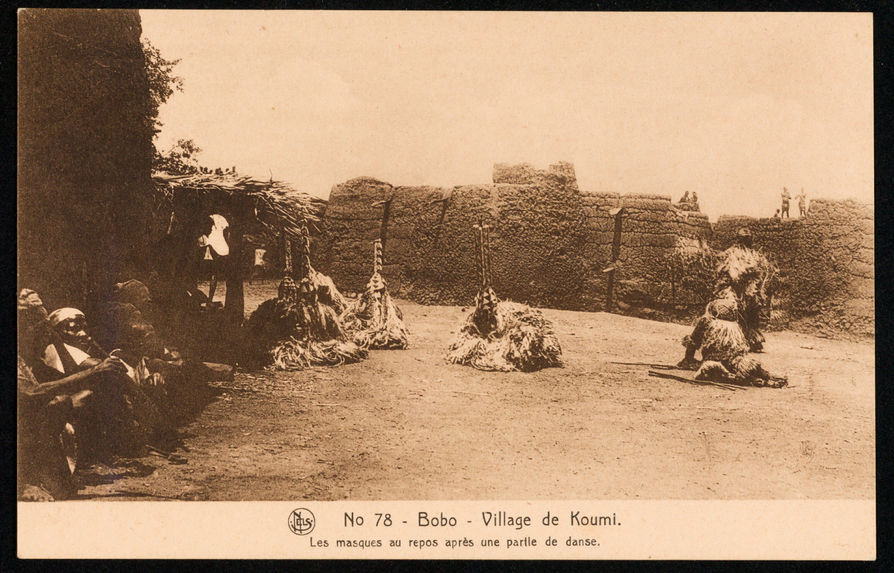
(49,412)
(126,319)
(124,416)
(127,325)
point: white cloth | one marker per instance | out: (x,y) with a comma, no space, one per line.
(62,314)
(216,237)
(51,357)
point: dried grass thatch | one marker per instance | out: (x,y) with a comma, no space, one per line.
(374,320)
(694,265)
(279,208)
(754,280)
(300,328)
(522,340)
(292,332)
(502,335)
(327,292)
(738,265)
(294,354)
(723,340)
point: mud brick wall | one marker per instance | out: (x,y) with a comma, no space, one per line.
(826,262)
(537,229)
(597,248)
(550,243)
(352,221)
(650,226)
(649,231)
(84,150)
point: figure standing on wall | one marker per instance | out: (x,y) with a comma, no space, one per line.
(695,206)
(785,201)
(802,203)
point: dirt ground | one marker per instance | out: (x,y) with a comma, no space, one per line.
(407,425)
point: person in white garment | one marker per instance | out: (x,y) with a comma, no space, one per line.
(214,244)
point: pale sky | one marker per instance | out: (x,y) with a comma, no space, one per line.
(733,106)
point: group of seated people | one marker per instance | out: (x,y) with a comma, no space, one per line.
(79,403)
(688,202)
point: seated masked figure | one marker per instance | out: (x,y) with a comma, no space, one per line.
(728,330)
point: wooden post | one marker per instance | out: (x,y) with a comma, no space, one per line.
(616,251)
(234,303)
(386,214)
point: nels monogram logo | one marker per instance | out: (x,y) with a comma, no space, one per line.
(302,521)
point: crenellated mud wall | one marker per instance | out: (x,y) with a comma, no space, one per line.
(537,228)
(826,263)
(552,245)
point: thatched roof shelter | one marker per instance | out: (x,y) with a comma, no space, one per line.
(270,210)
(278,208)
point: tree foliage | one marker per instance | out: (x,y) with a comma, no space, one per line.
(162,81)
(182,157)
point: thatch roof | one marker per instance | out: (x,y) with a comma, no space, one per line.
(279,208)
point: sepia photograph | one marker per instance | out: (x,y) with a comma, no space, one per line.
(314,256)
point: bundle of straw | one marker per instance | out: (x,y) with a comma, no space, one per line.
(522,340)
(327,292)
(724,353)
(374,320)
(738,265)
(502,335)
(298,328)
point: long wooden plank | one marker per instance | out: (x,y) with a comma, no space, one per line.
(694,381)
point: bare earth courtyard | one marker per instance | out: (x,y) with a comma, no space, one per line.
(407,425)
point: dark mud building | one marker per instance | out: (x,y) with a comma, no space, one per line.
(84,151)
